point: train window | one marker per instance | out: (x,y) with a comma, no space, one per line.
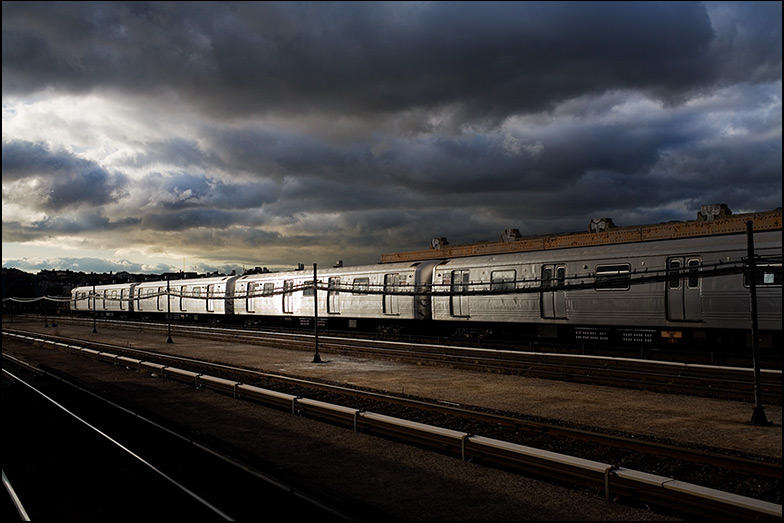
(310,290)
(613,276)
(360,286)
(560,276)
(693,281)
(547,276)
(460,282)
(765,274)
(675,281)
(502,280)
(268,290)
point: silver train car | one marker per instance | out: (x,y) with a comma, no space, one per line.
(190,298)
(397,292)
(640,286)
(636,292)
(106,299)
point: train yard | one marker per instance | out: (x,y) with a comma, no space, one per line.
(610,461)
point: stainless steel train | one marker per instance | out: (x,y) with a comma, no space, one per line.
(692,290)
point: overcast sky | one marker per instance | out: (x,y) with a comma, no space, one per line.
(148,136)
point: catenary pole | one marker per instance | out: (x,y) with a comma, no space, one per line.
(758,416)
(95,298)
(316,357)
(168,309)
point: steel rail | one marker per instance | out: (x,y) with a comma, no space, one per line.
(193,368)
(732,383)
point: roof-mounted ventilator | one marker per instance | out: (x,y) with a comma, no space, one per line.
(715,211)
(600,224)
(437,243)
(510,235)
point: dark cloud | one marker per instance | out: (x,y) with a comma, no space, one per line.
(56,180)
(266,132)
(748,41)
(66,224)
(488,59)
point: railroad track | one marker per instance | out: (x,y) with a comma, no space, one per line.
(711,381)
(769,358)
(478,436)
(110,463)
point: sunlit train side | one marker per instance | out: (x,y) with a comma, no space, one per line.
(393,293)
(107,299)
(624,292)
(187,298)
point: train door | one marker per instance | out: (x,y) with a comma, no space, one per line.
(684,299)
(210,298)
(288,295)
(553,301)
(250,297)
(182,298)
(159,301)
(333,296)
(391,300)
(459,286)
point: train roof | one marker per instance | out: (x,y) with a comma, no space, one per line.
(190,281)
(327,271)
(711,220)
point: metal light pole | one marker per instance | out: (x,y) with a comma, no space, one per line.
(168,310)
(95,297)
(316,357)
(758,416)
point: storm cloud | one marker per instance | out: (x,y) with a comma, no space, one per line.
(272,133)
